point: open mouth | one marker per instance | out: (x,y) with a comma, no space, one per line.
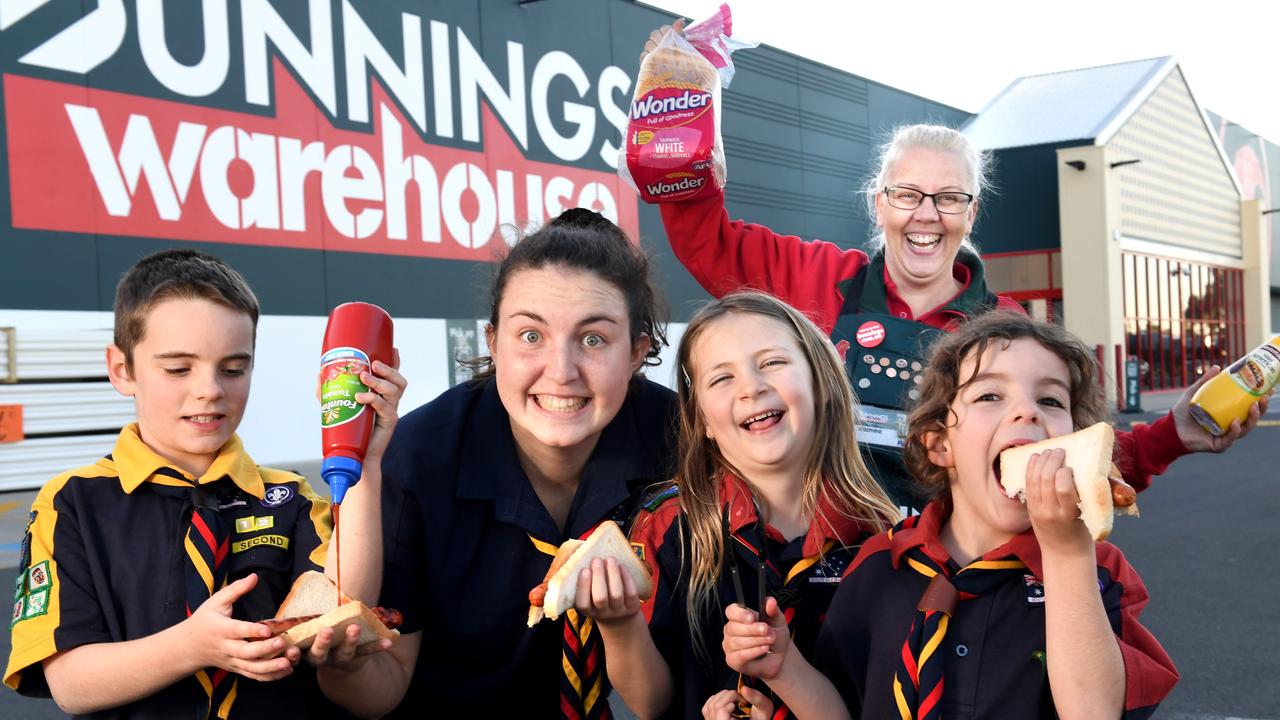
(762,421)
(923,241)
(554,403)
(995,464)
(204,420)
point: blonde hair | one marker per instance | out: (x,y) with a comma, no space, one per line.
(834,467)
(937,138)
(941,383)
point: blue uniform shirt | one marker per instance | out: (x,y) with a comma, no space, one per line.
(458,512)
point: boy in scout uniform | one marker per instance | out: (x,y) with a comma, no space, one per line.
(141,575)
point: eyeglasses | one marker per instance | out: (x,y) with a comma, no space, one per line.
(950,202)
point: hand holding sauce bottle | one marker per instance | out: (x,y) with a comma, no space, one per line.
(357,334)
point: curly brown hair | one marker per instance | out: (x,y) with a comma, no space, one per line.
(941,383)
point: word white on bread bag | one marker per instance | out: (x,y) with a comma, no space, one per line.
(673,149)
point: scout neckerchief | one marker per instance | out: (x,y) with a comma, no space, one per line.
(206,545)
(917,684)
(583,692)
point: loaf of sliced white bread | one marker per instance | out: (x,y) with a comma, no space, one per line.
(313,593)
(1089,457)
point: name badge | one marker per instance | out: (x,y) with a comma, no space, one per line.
(881,426)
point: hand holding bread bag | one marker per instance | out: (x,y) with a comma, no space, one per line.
(672,149)
(557,592)
(1102,493)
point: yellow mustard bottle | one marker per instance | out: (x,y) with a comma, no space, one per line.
(1228,396)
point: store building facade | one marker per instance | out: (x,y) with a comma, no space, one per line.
(384,151)
(336,151)
(1119,213)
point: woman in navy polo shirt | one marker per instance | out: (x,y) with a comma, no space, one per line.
(556,433)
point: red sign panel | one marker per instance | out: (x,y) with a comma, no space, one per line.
(100,162)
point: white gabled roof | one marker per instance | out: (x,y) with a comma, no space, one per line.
(1088,105)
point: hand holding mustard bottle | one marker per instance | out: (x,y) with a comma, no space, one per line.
(1225,405)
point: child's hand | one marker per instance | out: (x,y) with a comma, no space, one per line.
(606,592)
(245,648)
(1053,503)
(343,652)
(723,704)
(752,647)
(386,387)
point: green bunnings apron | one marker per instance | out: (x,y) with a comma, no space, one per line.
(885,357)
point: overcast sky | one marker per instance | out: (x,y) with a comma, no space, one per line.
(964,53)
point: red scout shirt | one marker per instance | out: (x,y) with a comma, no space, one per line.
(994,644)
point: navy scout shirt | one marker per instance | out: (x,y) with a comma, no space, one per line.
(995,644)
(103,561)
(803,574)
(458,512)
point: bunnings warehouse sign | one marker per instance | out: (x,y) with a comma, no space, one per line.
(361,127)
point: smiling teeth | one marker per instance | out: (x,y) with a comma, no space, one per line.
(761,416)
(203,418)
(558,404)
(924,241)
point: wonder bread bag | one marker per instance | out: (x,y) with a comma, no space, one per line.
(673,149)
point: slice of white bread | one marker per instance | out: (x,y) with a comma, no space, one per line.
(313,593)
(1088,456)
(607,541)
(566,551)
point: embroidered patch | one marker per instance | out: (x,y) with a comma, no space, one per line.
(30,605)
(277,495)
(250,524)
(37,604)
(638,549)
(830,568)
(1035,590)
(651,505)
(276,541)
(31,587)
(38,576)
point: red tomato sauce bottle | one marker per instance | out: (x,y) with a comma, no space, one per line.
(357,334)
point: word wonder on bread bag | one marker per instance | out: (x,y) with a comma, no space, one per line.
(1102,496)
(673,149)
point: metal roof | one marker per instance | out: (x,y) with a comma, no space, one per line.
(1086,105)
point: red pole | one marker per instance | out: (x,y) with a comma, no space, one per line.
(1100,355)
(1119,378)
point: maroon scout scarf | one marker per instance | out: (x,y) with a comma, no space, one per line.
(206,545)
(917,684)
